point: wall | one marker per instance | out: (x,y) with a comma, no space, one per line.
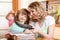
(25,3)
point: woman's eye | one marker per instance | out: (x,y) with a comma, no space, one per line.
(32,11)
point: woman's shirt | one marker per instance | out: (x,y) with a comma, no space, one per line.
(49,20)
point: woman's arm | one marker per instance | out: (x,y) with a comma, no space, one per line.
(50,32)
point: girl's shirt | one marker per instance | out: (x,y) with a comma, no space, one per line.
(16,29)
(11,21)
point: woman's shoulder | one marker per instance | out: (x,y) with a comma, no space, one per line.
(49,17)
(50,20)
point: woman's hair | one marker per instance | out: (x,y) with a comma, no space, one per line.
(38,7)
(25,12)
(10,13)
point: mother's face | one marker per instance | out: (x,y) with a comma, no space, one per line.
(33,13)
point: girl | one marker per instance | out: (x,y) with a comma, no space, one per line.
(21,17)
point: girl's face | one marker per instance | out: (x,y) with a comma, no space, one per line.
(22,17)
(33,13)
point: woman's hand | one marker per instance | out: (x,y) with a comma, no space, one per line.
(36,29)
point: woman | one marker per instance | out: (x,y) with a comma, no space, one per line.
(41,22)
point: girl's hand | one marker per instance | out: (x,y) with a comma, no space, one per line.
(27,31)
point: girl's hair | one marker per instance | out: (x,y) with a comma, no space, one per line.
(38,7)
(25,12)
(11,12)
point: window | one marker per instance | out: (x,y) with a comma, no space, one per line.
(5,7)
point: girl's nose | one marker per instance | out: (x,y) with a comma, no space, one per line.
(31,14)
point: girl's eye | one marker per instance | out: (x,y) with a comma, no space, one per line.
(24,14)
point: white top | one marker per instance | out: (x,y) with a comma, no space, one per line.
(49,20)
